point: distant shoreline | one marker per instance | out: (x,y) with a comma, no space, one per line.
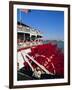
(59,43)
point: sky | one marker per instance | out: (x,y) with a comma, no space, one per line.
(50,23)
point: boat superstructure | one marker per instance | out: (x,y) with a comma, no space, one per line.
(28,36)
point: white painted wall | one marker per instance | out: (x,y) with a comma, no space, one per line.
(4,44)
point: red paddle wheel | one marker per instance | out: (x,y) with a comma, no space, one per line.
(50,56)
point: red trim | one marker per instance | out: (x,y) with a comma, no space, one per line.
(25,48)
